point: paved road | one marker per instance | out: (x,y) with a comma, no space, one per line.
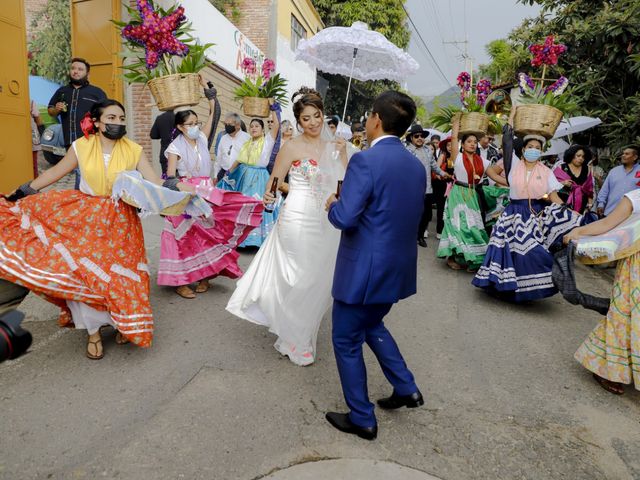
(213,400)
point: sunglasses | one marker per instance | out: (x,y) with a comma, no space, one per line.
(419,135)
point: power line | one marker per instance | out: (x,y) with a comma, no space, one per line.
(444,77)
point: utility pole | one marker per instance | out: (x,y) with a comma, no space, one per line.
(468,60)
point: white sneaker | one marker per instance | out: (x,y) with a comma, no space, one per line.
(438,236)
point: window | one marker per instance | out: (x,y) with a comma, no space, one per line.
(298,32)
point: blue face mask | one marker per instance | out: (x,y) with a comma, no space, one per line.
(193,132)
(532,154)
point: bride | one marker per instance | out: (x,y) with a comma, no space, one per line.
(287,287)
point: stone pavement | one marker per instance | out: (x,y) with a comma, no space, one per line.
(213,400)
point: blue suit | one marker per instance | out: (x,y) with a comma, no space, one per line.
(378,212)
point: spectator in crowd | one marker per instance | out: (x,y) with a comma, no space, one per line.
(333,124)
(621,180)
(37,127)
(162,130)
(230,144)
(487,150)
(73,101)
(417,137)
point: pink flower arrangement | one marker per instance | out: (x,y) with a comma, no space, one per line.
(546,53)
(157,34)
(248,66)
(268,67)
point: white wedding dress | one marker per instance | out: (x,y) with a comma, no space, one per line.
(287,287)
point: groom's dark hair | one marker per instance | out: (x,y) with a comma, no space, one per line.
(396,111)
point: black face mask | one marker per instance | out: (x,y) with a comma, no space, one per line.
(114,131)
(229,129)
(81,82)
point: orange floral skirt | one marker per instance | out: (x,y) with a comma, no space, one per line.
(66,245)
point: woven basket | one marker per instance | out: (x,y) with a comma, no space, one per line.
(536,120)
(176,90)
(255,107)
(474,122)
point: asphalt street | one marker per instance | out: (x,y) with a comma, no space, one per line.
(212,399)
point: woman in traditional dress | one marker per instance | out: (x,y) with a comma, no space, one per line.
(198,249)
(612,349)
(518,262)
(575,175)
(445,162)
(81,250)
(287,287)
(249,174)
(464,238)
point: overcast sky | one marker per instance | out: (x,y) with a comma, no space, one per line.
(445,20)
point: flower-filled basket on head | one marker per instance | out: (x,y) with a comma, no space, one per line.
(160,52)
(473,116)
(257,88)
(543,107)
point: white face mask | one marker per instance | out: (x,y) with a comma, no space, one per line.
(193,132)
(532,154)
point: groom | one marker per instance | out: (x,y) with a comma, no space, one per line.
(378,212)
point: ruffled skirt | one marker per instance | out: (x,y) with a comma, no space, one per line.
(195,248)
(67,246)
(252,182)
(518,262)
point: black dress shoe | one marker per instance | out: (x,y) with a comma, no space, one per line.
(396,401)
(342,422)
(422,242)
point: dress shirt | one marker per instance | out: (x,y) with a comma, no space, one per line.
(430,165)
(617,183)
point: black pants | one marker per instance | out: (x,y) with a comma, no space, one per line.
(427,215)
(439,188)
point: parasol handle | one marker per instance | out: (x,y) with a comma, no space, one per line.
(346,100)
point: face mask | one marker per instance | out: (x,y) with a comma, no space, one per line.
(229,129)
(193,132)
(114,131)
(532,154)
(81,81)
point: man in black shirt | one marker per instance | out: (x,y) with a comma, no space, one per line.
(162,130)
(71,102)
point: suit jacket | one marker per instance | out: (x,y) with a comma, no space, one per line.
(378,212)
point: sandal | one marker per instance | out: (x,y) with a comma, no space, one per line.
(203,286)
(121,339)
(616,388)
(473,269)
(453,265)
(95,343)
(185,292)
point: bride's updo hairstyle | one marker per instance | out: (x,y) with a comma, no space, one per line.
(303,98)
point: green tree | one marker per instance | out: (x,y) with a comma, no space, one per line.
(384,16)
(506,59)
(50,47)
(602,61)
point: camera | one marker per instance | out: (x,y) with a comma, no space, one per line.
(14,340)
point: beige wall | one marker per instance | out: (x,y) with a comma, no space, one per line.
(303,11)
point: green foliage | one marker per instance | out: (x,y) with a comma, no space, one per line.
(602,61)
(275,87)
(442,118)
(506,61)
(384,16)
(135,67)
(565,102)
(228,8)
(50,47)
